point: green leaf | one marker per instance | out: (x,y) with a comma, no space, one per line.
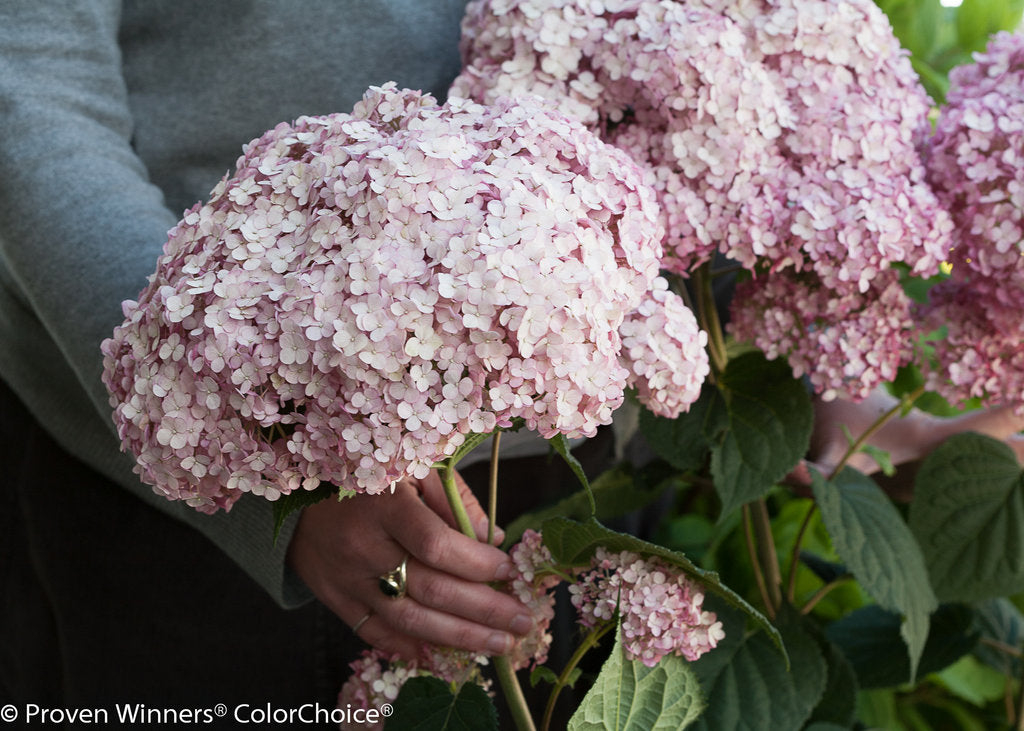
(684,442)
(877,546)
(838,703)
(747,684)
(1000,622)
(297,500)
(968,516)
(979,684)
(426,703)
(573,544)
(870,639)
(543,674)
(770,418)
(629,696)
(561,445)
(876,709)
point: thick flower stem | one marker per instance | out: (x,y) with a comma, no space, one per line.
(451,491)
(766,550)
(755,564)
(506,675)
(513,694)
(794,559)
(492,488)
(589,642)
(905,403)
(707,315)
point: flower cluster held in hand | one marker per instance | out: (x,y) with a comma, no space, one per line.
(784,135)
(659,608)
(976,164)
(369,288)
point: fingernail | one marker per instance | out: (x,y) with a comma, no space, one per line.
(499,643)
(522,624)
(505,572)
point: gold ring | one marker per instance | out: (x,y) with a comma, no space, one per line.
(361,622)
(393,584)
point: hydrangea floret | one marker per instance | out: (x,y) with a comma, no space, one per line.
(976,164)
(783,135)
(367,289)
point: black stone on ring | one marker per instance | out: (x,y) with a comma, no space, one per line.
(393,583)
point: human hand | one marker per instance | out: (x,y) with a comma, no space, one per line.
(905,439)
(341,548)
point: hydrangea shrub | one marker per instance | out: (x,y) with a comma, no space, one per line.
(782,135)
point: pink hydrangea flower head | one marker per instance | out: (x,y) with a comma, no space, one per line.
(367,289)
(976,162)
(980,353)
(845,341)
(783,134)
(659,607)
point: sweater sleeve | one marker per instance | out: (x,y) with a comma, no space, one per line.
(81,227)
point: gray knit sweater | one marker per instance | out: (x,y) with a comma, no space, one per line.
(117,116)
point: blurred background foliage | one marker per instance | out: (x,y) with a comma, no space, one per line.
(940,37)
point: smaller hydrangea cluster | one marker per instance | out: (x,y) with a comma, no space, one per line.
(976,164)
(369,288)
(532,585)
(660,608)
(665,349)
(377,678)
(845,342)
(784,134)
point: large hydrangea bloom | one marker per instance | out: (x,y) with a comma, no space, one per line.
(369,288)
(976,164)
(784,134)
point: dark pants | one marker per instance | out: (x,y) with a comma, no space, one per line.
(104,600)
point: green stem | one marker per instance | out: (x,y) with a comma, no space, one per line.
(451,491)
(762,588)
(707,314)
(766,550)
(492,489)
(513,693)
(822,593)
(502,664)
(794,559)
(589,642)
(1002,647)
(905,403)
